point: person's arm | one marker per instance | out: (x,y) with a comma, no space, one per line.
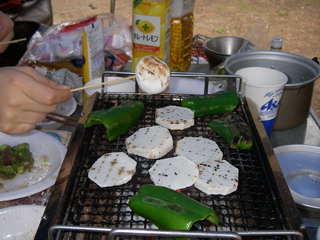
(26,97)
(6,30)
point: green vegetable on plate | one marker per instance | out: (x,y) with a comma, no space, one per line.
(15,160)
(212,104)
(117,120)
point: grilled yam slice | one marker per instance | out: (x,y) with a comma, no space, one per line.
(217,177)
(112,169)
(175,117)
(175,173)
(198,149)
(150,142)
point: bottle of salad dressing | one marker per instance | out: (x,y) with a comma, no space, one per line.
(151,24)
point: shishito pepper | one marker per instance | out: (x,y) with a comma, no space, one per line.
(117,120)
(169,209)
(234,130)
(15,160)
(212,104)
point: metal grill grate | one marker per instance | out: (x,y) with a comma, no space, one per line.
(252,207)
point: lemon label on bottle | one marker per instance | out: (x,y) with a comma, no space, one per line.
(151,22)
(144,26)
(146,33)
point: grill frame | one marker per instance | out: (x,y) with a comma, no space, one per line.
(60,207)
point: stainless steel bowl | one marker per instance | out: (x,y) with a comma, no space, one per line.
(302,73)
(218,49)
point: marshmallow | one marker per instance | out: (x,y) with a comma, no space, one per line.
(152,74)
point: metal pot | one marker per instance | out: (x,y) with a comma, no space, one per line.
(302,73)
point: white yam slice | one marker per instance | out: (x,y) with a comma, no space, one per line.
(175,117)
(112,169)
(175,173)
(198,149)
(217,177)
(152,74)
(150,142)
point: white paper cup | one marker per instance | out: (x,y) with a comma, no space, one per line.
(120,87)
(264,86)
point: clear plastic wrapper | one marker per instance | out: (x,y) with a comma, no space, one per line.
(61,44)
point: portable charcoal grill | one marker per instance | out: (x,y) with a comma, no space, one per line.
(261,208)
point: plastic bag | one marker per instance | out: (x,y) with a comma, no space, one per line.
(118,41)
(61,44)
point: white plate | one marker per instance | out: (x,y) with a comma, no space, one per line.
(44,173)
(300,165)
(20,222)
(182,85)
(124,86)
(67,108)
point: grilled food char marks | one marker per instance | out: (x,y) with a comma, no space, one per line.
(198,149)
(150,142)
(175,173)
(112,169)
(174,117)
(153,75)
(217,177)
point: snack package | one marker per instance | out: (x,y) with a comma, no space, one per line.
(92,50)
(61,45)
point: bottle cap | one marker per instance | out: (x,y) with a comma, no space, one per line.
(276,42)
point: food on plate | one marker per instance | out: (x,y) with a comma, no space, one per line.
(15,160)
(234,130)
(175,173)
(150,142)
(117,120)
(198,149)
(212,104)
(217,177)
(112,169)
(175,117)
(169,209)
(152,74)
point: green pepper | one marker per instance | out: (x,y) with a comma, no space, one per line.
(24,158)
(234,130)
(117,120)
(212,104)
(15,160)
(169,209)
(7,172)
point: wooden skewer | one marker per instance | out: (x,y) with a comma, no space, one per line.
(61,121)
(13,41)
(63,116)
(103,83)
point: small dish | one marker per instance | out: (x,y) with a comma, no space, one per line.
(300,165)
(20,222)
(48,154)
